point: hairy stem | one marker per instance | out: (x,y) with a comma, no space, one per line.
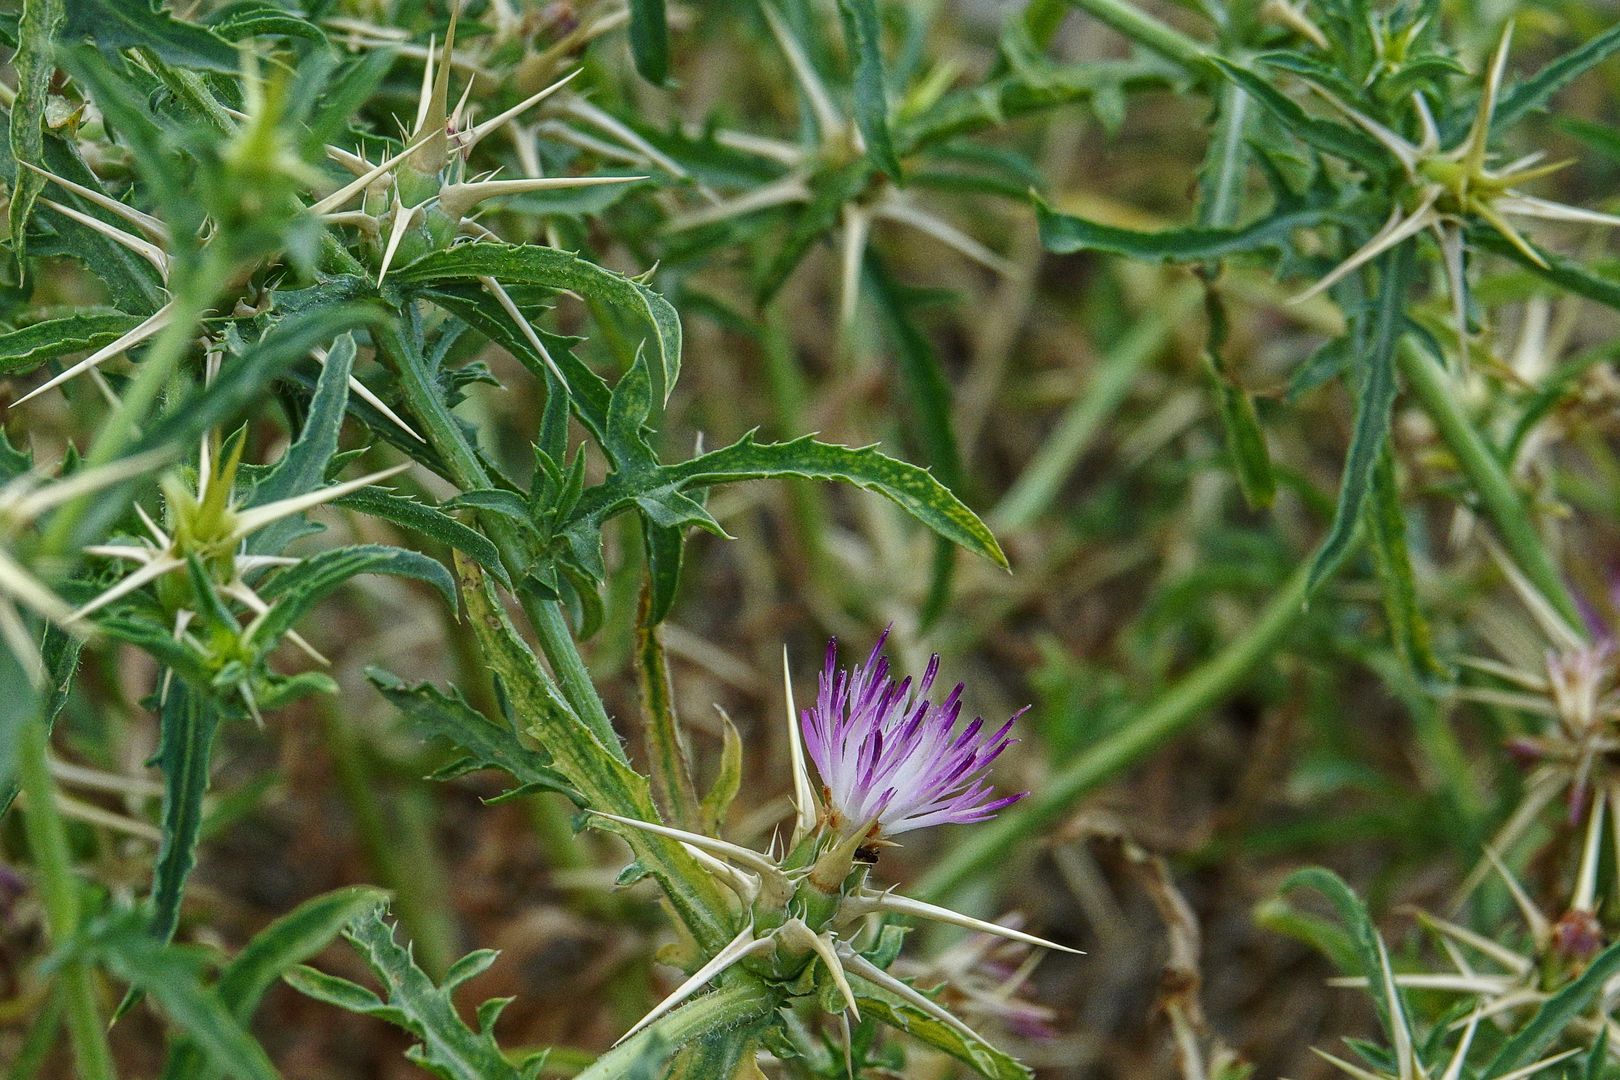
(742,999)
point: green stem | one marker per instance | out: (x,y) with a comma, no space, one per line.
(669,756)
(59,894)
(444,434)
(741,1000)
(1174,710)
(1147,32)
(1498,498)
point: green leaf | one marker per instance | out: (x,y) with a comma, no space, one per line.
(487,744)
(185,751)
(1375,402)
(429,521)
(112,25)
(1533,93)
(242,379)
(980,1055)
(298,588)
(553,269)
(913,489)
(1557,269)
(171,976)
(23,350)
(1555,1015)
(291,939)
(1067,233)
(863,36)
(303,467)
(649,40)
(34,65)
(448,1048)
(1331,137)
(727,779)
(1363,936)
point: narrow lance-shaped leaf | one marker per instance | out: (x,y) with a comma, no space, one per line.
(666,740)
(1533,93)
(1375,401)
(298,588)
(863,36)
(584,759)
(172,976)
(185,752)
(23,350)
(1363,937)
(1064,234)
(1386,523)
(1245,441)
(649,39)
(113,25)
(1555,1015)
(303,467)
(428,521)
(985,1059)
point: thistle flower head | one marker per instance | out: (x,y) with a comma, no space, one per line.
(891,759)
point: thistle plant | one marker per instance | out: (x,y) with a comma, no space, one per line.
(383,388)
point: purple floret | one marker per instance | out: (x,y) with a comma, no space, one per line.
(890,757)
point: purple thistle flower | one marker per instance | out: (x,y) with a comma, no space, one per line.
(890,759)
